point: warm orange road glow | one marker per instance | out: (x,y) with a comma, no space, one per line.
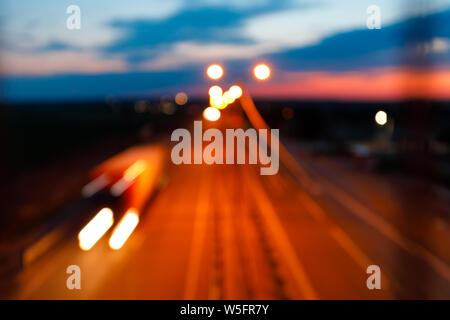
(214,71)
(261,72)
(235,91)
(95,229)
(124,229)
(381,118)
(211,114)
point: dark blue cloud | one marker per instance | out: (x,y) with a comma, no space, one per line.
(55,46)
(143,37)
(397,44)
(202,25)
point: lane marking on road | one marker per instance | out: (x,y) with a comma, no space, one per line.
(364,213)
(377,222)
(388,230)
(311,206)
(280,238)
(233,277)
(198,240)
(339,235)
(352,249)
(356,253)
(343,239)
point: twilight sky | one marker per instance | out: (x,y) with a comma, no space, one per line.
(318,49)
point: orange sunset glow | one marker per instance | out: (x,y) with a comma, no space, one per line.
(384,84)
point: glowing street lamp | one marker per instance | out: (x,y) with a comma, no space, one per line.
(211,114)
(218,99)
(215,97)
(215,91)
(217,102)
(228,98)
(214,71)
(235,92)
(381,118)
(261,71)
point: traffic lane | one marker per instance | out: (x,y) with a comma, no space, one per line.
(421,211)
(151,265)
(295,254)
(218,260)
(332,261)
(413,272)
(164,260)
(46,278)
(185,249)
(158,265)
(183,254)
(141,185)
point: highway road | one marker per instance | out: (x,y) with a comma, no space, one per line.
(226,232)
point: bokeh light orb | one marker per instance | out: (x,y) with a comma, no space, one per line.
(217,102)
(235,92)
(228,97)
(381,117)
(214,71)
(181,98)
(211,114)
(215,91)
(261,72)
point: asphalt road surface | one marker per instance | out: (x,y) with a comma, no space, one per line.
(226,232)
